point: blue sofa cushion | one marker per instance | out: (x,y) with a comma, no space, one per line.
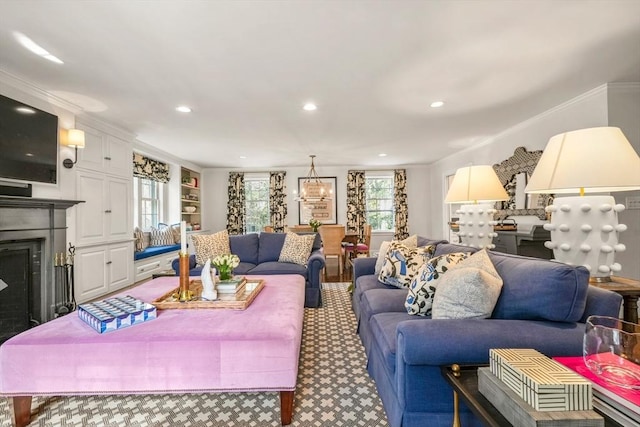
(245,246)
(560,295)
(155,250)
(270,246)
(383,331)
(274,267)
(244,268)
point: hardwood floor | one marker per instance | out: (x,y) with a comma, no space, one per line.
(332,273)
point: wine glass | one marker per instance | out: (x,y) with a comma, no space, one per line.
(611,350)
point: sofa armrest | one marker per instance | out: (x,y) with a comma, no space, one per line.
(175,264)
(363,266)
(315,264)
(439,342)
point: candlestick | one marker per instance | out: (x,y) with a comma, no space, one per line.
(184,294)
(183,237)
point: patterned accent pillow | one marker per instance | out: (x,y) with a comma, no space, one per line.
(175,230)
(402,264)
(139,236)
(470,290)
(160,236)
(411,242)
(423,287)
(209,246)
(297,248)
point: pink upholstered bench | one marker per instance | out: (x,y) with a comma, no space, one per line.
(182,351)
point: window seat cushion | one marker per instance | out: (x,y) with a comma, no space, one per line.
(155,250)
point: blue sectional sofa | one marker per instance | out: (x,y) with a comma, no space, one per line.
(542,305)
(259,254)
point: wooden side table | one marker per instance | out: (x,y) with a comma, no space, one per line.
(630,291)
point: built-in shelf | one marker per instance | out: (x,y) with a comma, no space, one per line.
(190,196)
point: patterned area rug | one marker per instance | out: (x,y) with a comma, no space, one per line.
(334,388)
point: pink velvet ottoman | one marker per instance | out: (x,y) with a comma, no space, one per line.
(182,351)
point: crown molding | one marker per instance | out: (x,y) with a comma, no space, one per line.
(33,90)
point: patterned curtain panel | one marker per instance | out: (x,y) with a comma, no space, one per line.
(235,206)
(277,201)
(400,203)
(356,214)
(144,167)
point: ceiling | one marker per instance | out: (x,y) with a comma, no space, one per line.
(372,67)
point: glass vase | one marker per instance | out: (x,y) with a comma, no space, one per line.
(226,273)
(611,350)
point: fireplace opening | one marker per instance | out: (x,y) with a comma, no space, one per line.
(20,286)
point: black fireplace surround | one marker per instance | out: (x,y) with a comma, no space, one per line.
(32,231)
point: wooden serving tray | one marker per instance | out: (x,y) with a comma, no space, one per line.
(238,301)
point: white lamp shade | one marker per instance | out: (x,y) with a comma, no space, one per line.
(75,138)
(596,159)
(476,184)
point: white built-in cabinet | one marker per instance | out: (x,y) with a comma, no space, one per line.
(104,222)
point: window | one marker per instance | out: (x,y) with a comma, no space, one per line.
(148,196)
(379,201)
(256,202)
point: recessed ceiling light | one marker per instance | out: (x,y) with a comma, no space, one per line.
(25,110)
(36,48)
(309,106)
(183,109)
(382,155)
(437,104)
(243,157)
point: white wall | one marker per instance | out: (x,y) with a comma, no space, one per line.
(214,187)
(587,110)
(624,112)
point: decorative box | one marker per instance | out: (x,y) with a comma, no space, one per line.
(543,383)
(116,313)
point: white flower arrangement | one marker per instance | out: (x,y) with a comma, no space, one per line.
(225,260)
(314,223)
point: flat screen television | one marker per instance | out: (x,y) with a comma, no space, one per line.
(28,143)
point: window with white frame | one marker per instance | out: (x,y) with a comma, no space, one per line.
(148,196)
(256,202)
(379,201)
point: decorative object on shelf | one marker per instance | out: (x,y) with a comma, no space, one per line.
(584,229)
(611,350)
(73,138)
(190,209)
(190,181)
(478,185)
(225,264)
(209,292)
(314,223)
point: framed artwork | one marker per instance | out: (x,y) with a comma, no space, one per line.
(326,210)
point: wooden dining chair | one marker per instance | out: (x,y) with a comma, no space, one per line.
(363,247)
(332,236)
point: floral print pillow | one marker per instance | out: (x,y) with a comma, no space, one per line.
(402,263)
(423,287)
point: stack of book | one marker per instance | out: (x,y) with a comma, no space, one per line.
(231,286)
(618,403)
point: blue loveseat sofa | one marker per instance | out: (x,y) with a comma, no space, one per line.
(542,305)
(259,254)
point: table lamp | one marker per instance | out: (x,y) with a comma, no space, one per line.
(477,186)
(584,229)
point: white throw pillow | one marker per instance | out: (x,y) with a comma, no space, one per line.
(411,242)
(423,286)
(402,263)
(469,290)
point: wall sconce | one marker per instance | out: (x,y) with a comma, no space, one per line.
(479,186)
(72,138)
(584,229)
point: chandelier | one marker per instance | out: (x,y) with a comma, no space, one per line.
(313,189)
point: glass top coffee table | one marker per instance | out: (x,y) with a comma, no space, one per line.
(464,381)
